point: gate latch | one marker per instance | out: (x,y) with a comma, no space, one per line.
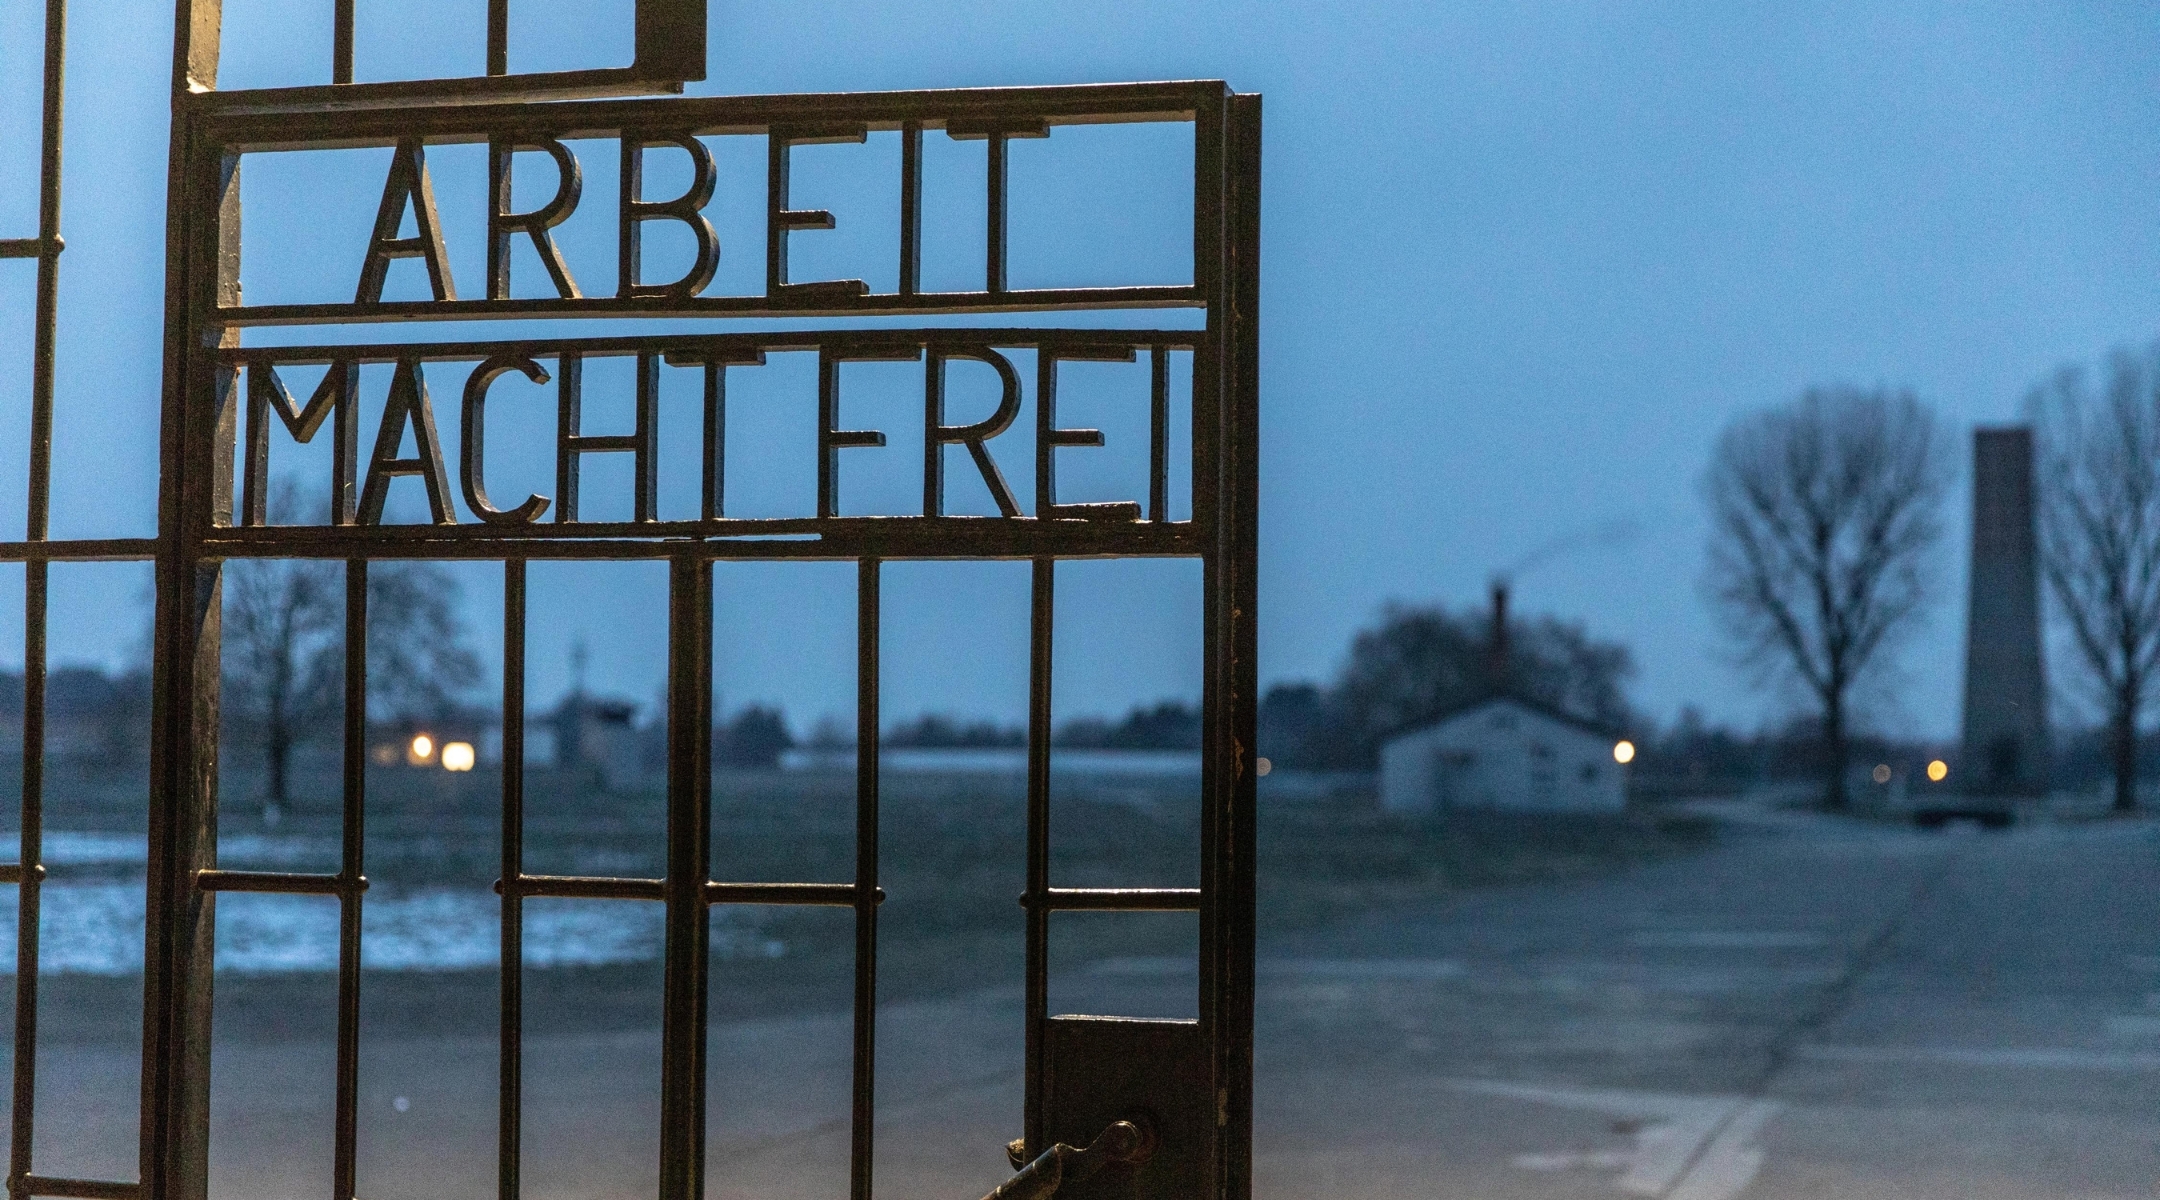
(1128,1142)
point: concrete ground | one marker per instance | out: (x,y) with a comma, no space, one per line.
(1812,1008)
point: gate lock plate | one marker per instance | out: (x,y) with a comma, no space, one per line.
(1100,1070)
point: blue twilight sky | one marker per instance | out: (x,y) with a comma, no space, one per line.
(1521,263)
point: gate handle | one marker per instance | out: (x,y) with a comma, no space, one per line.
(1122,1142)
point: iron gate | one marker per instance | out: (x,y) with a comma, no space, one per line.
(220,395)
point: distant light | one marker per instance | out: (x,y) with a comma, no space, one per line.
(1938,771)
(1623,752)
(1881,773)
(421,751)
(1263,766)
(457,756)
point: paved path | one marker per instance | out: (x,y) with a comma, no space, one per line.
(1814,1008)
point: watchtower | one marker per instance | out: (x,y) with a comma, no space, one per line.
(2005,742)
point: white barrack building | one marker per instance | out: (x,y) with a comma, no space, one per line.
(1503,753)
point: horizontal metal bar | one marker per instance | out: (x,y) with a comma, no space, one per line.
(689,349)
(601,83)
(595,887)
(28,247)
(818,304)
(585,887)
(87,550)
(1116,900)
(13,872)
(284,883)
(828,895)
(237,129)
(80,1189)
(832,538)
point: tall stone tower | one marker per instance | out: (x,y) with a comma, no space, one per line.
(2006,746)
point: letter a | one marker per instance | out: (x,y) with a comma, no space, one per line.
(407,187)
(408,404)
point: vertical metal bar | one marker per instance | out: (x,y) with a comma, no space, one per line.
(179,938)
(682,1028)
(179,935)
(994,220)
(1235,897)
(1043,611)
(48,273)
(1208,276)
(910,207)
(351,877)
(715,499)
(645,458)
(828,459)
(30,891)
(1159,433)
(341,42)
(510,1055)
(777,163)
(864,1113)
(498,37)
(1218,751)
(569,421)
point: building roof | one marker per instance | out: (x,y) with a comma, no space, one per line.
(1537,707)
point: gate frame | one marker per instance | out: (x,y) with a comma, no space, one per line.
(196,509)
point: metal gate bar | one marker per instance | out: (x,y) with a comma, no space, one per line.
(509,1055)
(863,1114)
(689,871)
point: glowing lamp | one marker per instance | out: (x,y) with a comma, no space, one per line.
(457,756)
(1938,771)
(1623,752)
(421,751)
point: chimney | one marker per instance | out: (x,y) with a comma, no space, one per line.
(1496,648)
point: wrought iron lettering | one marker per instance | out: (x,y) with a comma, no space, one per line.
(409,407)
(687,208)
(408,187)
(1048,437)
(502,223)
(831,438)
(338,395)
(996,118)
(472,456)
(937,434)
(781,220)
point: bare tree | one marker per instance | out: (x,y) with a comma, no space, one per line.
(284,662)
(419,666)
(2099,500)
(1823,511)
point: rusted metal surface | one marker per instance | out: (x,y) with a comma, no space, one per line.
(220,394)
(1121,1144)
(1155,1073)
